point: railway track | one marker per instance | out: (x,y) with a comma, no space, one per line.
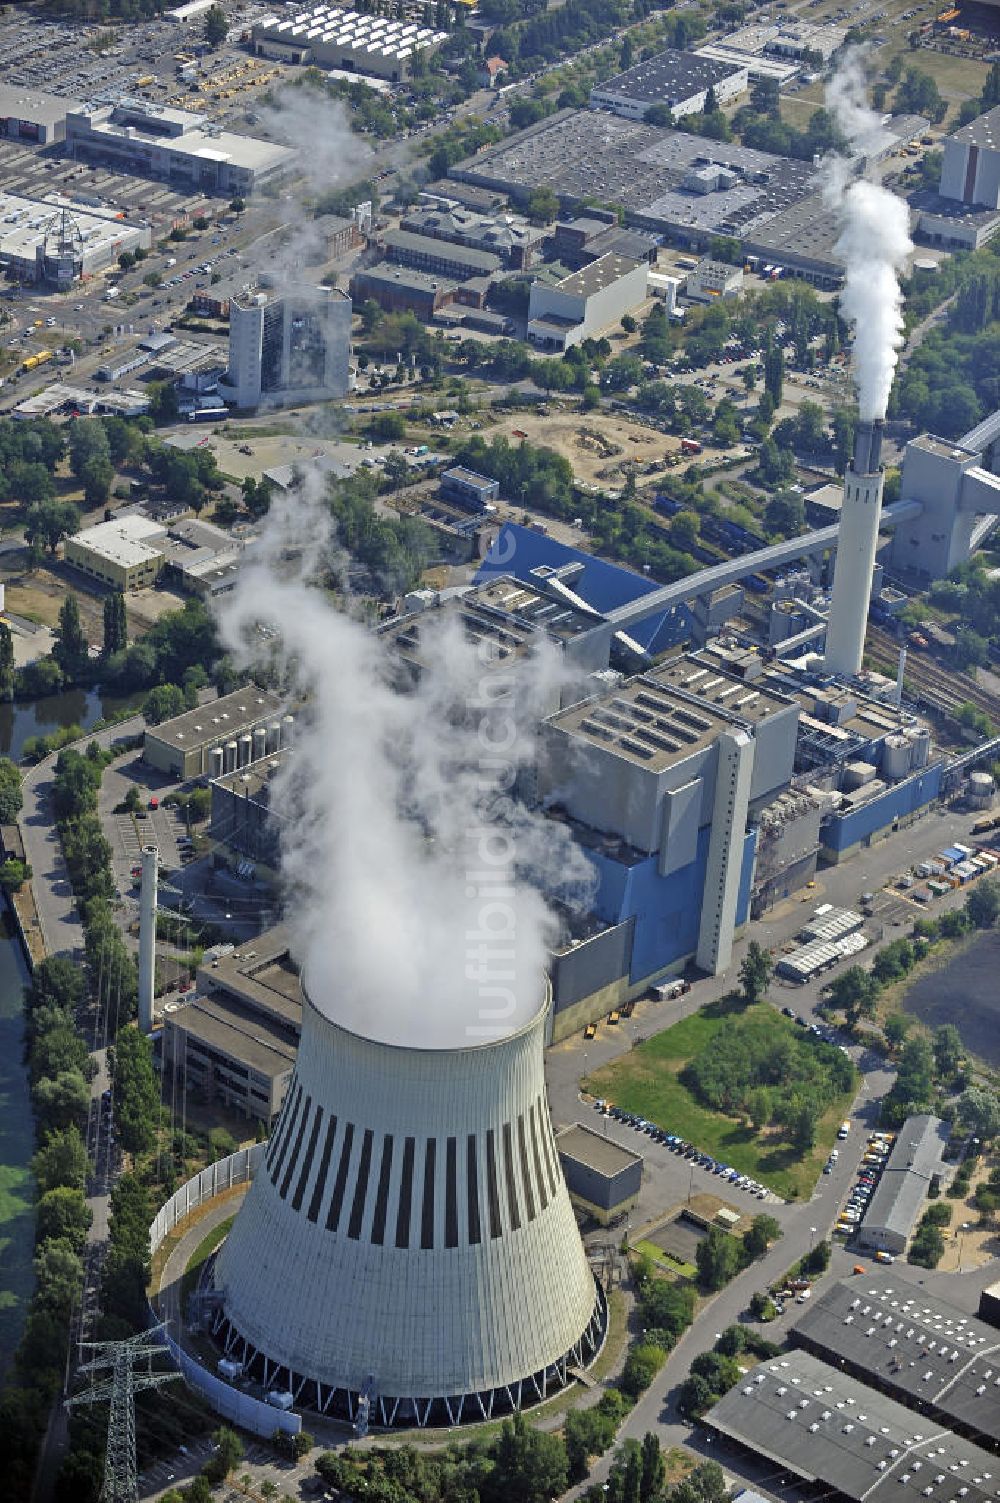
(941,689)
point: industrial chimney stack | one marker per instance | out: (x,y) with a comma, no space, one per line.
(856,545)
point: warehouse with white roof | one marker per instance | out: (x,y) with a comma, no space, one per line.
(329,36)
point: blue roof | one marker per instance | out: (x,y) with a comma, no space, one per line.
(527,555)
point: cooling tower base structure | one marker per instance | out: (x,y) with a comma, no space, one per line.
(857,543)
(407,1251)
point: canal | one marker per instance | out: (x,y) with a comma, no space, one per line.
(82,707)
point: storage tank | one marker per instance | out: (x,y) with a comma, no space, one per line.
(896,754)
(246,749)
(857,774)
(981,789)
(287,729)
(215,762)
(259,743)
(273,737)
(919,738)
(230,757)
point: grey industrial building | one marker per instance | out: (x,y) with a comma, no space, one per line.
(603,1178)
(674,183)
(235,1042)
(508,236)
(30,115)
(825,1427)
(910,1344)
(914,1161)
(398,289)
(55,240)
(679,80)
(957,490)
(423,253)
(176,146)
(245,825)
(183,747)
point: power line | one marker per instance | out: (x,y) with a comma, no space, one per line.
(119,1359)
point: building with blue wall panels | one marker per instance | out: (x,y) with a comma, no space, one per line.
(531,556)
(842,833)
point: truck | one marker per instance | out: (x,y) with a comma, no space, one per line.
(668,991)
(690,446)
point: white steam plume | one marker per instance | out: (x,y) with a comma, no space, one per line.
(874,243)
(406,852)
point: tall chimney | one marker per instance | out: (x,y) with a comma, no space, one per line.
(856,546)
(147,936)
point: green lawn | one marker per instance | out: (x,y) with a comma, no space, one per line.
(666,1260)
(646,1081)
(206,1247)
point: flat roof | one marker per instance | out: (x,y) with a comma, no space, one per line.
(503,611)
(601,273)
(224,1023)
(251,780)
(260,973)
(126,540)
(984,131)
(601,1154)
(387,274)
(34,105)
(219,720)
(915,1158)
(911,1343)
(825,1426)
(671,77)
(427,245)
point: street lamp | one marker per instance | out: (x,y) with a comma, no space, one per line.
(812,1233)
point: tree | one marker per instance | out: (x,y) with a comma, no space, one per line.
(528,1465)
(163,703)
(628,323)
(59,1275)
(542,206)
(641,1366)
(774,371)
(115,624)
(63,1212)
(896,1028)
(761,1306)
(761,1232)
(63,1101)
(136,1089)
(948,1051)
(7,667)
(979,1112)
(785,513)
(755,972)
(61,1160)
(70,651)
(760,1107)
(654,1468)
(48,522)
(982,906)
(717,1258)
(854,992)
(10,791)
(229,1452)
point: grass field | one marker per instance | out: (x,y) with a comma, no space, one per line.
(663,1259)
(206,1247)
(646,1081)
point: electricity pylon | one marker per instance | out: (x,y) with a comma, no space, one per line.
(118,1360)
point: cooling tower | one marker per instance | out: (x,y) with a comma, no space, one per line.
(408,1241)
(856,545)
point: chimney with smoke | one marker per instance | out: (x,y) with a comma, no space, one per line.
(874,244)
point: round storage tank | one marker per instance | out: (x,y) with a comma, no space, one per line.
(981,789)
(273,737)
(259,743)
(246,749)
(215,762)
(230,759)
(287,729)
(896,754)
(919,738)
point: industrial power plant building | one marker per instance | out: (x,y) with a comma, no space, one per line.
(230,732)
(584,303)
(329,36)
(176,146)
(407,1250)
(288,348)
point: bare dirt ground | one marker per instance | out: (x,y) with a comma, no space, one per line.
(38,593)
(967,1244)
(602,447)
